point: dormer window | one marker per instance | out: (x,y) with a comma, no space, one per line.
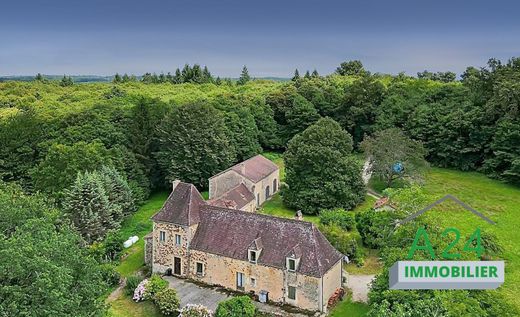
(254,250)
(292,259)
(253,256)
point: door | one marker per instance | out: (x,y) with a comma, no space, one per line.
(177,266)
(275,185)
(267,193)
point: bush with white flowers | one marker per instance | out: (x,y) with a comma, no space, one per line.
(140,291)
(192,310)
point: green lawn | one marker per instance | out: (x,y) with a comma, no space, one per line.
(277,158)
(371,265)
(348,308)
(496,200)
(139,224)
(124,306)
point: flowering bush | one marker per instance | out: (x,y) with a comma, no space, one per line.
(155,285)
(140,291)
(191,310)
(167,301)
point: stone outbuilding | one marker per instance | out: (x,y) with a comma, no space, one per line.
(260,176)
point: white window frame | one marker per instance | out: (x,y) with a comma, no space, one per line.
(242,278)
(178,240)
(253,281)
(289,265)
(251,258)
(162,236)
(289,292)
(197,269)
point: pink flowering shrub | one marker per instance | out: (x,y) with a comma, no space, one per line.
(140,291)
(192,310)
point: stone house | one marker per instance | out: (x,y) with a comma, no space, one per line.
(281,260)
(260,176)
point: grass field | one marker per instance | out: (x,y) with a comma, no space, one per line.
(496,200)
(348,308)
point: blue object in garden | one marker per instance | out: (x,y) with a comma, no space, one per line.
(398,167)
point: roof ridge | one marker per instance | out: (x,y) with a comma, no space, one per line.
(315,254)
(304,222)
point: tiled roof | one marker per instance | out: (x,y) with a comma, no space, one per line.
(182,206)
(230,233)
(235,198)
(254,169)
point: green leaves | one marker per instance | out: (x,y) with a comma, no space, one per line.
(320,173)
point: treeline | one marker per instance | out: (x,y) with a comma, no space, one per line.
(189,74)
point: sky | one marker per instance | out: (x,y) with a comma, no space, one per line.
(102,37)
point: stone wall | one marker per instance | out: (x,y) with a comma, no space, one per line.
(164,252)
(148,249)
(222,271)
(222,183)
(331,282)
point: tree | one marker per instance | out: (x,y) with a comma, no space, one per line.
(59,169)
(321,173)
(315,74)
(66,81)
(237,306)
(39,77)
(393,155)
(117,79)
(296,76)
(351,68)
(117,189)
(299,116)
(194,144)
(88,206)
(307,75)
(43,269)
(244,76)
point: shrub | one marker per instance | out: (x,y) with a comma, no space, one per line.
(375,227)
(109,273)
(340,217)
(344,241)
(237,306)
(191,310)
(154,286)
(131,283)
(167,301)
(140,291)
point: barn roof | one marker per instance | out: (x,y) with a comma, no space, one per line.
(235,198)
(255,169)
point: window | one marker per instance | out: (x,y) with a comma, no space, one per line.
(162,236)
(200,269)
(292,292)
(178,239)
(252,256)
(291,265)
(253,282)
(240,281)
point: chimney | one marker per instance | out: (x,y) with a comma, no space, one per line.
(175,183)
(242,168)
(299,215)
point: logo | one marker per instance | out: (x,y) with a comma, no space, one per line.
(438,274)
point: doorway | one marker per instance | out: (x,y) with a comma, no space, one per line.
(177,266)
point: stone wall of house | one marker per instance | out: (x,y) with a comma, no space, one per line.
(164,252)
(250,207)
(222,183)
(259,189)
(331,282)
(222,271)
(148,249)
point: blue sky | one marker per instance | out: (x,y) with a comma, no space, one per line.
(271,37)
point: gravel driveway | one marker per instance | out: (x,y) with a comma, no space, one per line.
(359,284)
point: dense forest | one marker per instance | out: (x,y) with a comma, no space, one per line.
(65,144)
